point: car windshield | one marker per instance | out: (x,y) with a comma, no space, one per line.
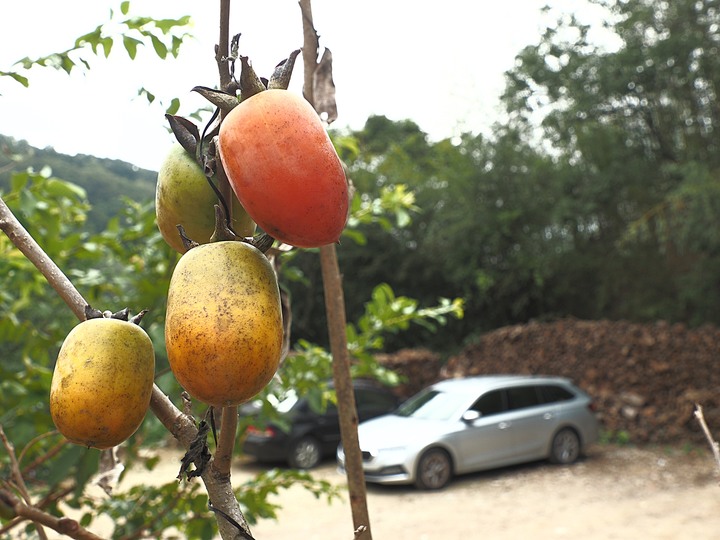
(431,405)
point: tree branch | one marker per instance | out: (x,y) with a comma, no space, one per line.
(714,446)
(219,469)
(223,49)
(336,321)
(181,426)
(309,50)
(68,527)
(19,480)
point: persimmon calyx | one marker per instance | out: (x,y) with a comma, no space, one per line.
(222,100)
(122,315)
(186,133)
(283,71)
(250,83)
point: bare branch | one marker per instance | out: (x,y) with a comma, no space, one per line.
(336,320)
(68,527)
(713,443)
(18,477)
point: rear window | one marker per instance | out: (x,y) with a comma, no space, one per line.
(521,397)
(553,393)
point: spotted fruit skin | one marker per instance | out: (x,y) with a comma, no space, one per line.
(284,169)
(102,382)
(184,197)
(223,325)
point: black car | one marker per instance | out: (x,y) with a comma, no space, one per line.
(309,435)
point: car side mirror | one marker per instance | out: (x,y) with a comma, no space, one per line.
(470,416)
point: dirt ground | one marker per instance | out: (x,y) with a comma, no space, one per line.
(614,493)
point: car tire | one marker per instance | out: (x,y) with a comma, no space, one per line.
(434,469)
(305,453)
(566,447)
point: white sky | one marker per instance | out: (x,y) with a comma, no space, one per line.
(385,55)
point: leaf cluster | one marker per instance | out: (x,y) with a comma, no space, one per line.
(165,36)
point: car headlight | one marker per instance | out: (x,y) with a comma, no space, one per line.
(387,452)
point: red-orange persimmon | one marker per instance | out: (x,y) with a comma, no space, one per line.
(284,170)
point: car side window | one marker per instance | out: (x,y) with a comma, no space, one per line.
(521,397)
(552,393)
(492,402)
(374,401)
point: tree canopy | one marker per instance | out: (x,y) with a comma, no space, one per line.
(596,199)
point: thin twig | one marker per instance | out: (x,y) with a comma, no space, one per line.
(18,477)
(68,527)
(713,443)
(40,459)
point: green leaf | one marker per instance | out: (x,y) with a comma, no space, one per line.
(87,467)
(59,188)
(159,46)
(16,76)
(107,44)
(149,95)
(173,107)
(91,38)
(66,63)
(166,25)
(62,466)
(124,7)
(131,44)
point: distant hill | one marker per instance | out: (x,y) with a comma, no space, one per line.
(105,180)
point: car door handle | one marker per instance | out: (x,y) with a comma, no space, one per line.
(504,425)
(548,416)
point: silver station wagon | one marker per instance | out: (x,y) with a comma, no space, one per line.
(463,425)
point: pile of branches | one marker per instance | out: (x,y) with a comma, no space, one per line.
(645,379)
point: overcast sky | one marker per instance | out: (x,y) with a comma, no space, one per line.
(386,53)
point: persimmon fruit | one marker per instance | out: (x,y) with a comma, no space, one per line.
(102,382)
(223,325)
(184,197)
(283,168)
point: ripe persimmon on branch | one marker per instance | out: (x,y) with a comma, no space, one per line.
(153,262)
(180,425)
(216,475)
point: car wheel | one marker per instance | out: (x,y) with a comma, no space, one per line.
(434,469)
(305,453)
(565,447)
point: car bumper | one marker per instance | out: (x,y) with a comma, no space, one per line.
(265,449)
(379,474)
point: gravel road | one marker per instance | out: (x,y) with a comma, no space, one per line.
(615,493)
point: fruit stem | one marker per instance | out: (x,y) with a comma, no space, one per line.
(222,231)
(263,242)
(187,242)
